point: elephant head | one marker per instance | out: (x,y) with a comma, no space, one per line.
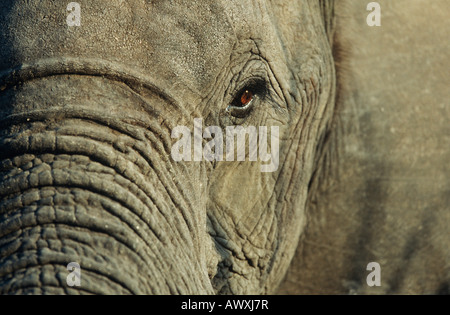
(87,114)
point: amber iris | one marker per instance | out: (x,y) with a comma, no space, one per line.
(246,98)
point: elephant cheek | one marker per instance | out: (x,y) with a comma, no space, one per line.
(89,182)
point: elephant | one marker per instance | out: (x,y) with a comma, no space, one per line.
(88,114)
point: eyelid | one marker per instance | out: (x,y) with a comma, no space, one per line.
(257,87)
(257,84)
(240,112)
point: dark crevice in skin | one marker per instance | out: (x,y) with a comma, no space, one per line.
(227,258)
(223,268)
(320,151)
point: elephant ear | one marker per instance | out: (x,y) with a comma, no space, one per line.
(305,29)
(381,191)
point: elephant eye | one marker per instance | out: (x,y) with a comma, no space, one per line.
(245,99)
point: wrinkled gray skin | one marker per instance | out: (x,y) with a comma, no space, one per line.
(86,115)
(382,188)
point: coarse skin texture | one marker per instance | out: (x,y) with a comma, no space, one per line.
(86,115)
(381,191)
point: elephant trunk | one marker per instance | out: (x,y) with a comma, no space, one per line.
(86,177)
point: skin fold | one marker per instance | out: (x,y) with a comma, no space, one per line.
(86,115)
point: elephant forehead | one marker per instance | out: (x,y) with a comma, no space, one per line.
(182,42)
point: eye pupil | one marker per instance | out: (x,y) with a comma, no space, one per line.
(246,97)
